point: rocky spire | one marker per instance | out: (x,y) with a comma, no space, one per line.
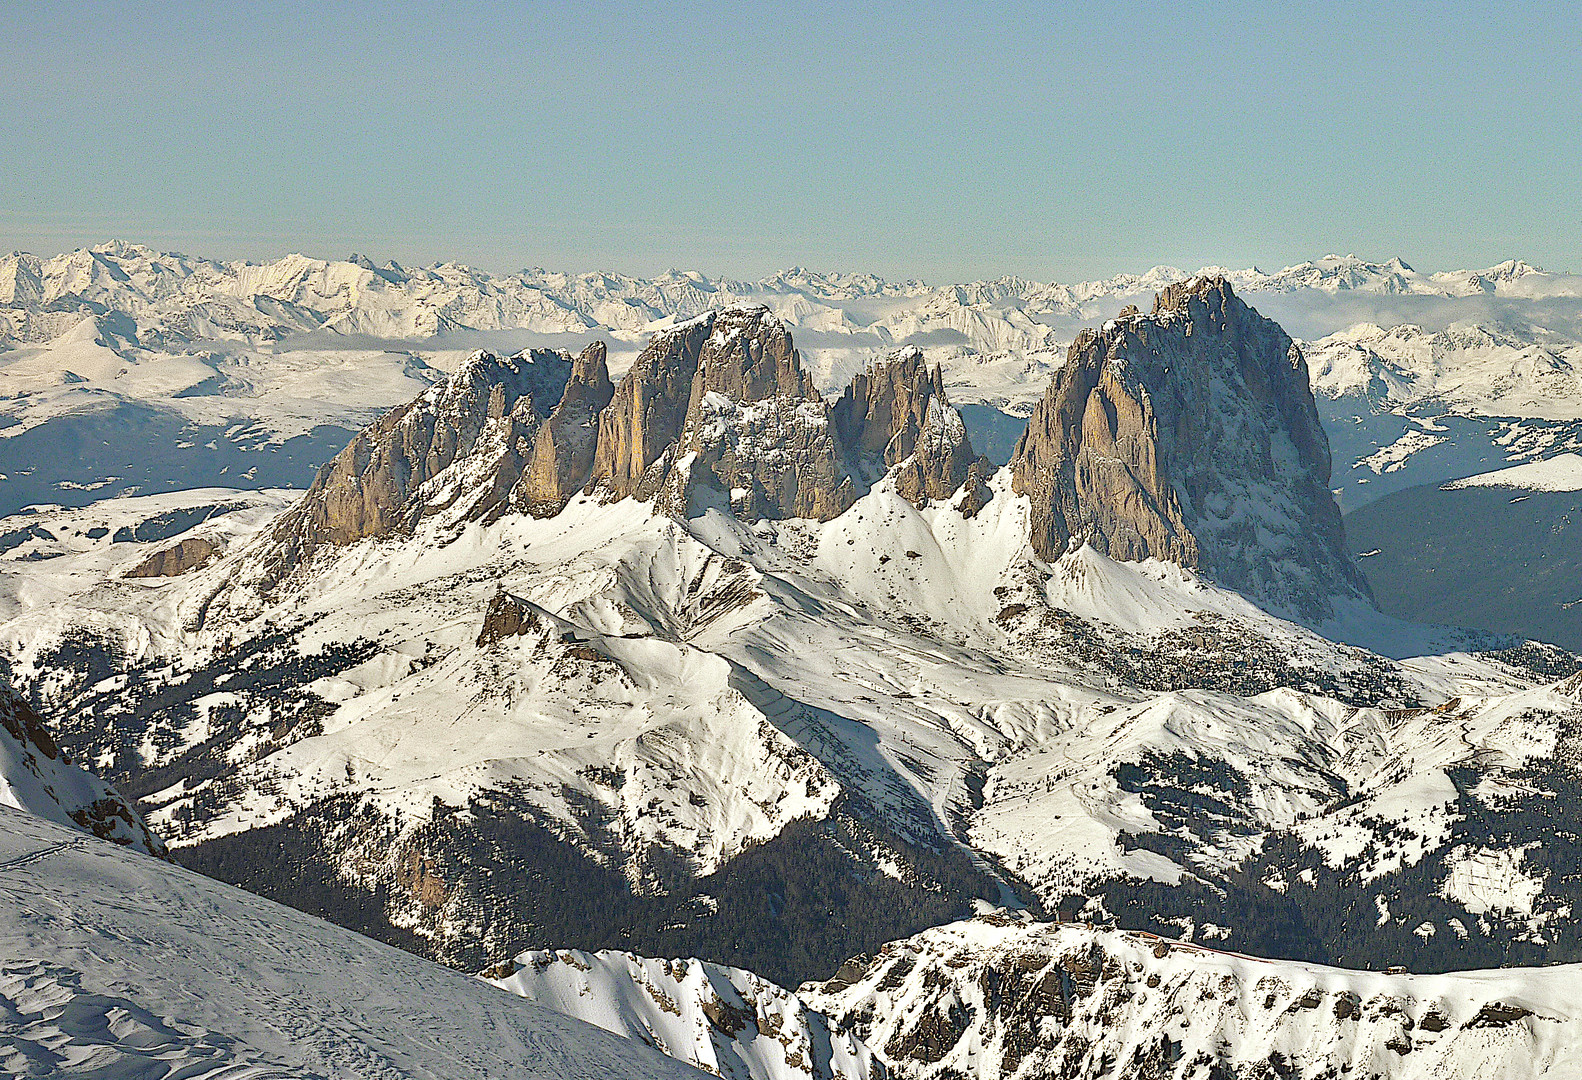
(1191,435)
(719,409)
(896,413)
(563,450)
(649,407)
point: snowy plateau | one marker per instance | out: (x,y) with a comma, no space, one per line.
(760,648)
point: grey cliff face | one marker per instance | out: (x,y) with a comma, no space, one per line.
(491,409)
(896,413)
(720,409)
(1190,435)
(715,412)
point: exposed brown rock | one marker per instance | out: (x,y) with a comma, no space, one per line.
(648,410)
(177,559)
(490,411)
(717,411)
(896,413)
(749,429)
(563,451)
(1191,435)
(508,616)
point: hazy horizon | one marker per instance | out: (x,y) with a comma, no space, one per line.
(947,143)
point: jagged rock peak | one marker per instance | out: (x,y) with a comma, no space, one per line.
(509,616)
(719,410)
(1191,435)
(896,413)
(484,421)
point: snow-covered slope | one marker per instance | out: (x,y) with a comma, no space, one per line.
(119,966)
(726,1021)
(997,998)
(1563,472)
(671,699)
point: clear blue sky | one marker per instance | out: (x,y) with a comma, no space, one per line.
(947,141)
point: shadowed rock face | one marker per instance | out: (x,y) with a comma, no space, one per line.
(36,776)
(896,412)
(513,433)
(720,409)
(1190,434)
(563,450)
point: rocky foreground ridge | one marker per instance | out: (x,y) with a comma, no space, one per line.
(38,777)
(998,998)
(1190,435)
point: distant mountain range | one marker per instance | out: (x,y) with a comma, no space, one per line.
(172,298)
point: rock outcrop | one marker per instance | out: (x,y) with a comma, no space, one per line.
(179,558)
(1001,997)
(1190,434)
(38,777)
(720,409)
(509,616)
(563,450)
(369,489)
(512,433)
(896,413)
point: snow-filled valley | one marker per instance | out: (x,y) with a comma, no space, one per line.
(697,647)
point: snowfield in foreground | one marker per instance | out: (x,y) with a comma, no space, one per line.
(118,966)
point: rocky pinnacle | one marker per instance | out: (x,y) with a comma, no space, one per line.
(1190,434)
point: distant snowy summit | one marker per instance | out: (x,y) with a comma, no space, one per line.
(156,300)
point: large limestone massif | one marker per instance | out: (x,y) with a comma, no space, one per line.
(717,411)
(1190,434)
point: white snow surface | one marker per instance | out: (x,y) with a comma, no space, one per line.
(707,682)
(727,1021)
(118,966)
(1563,472)
(1017,999)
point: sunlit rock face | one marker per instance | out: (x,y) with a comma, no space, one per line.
(1190,434)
